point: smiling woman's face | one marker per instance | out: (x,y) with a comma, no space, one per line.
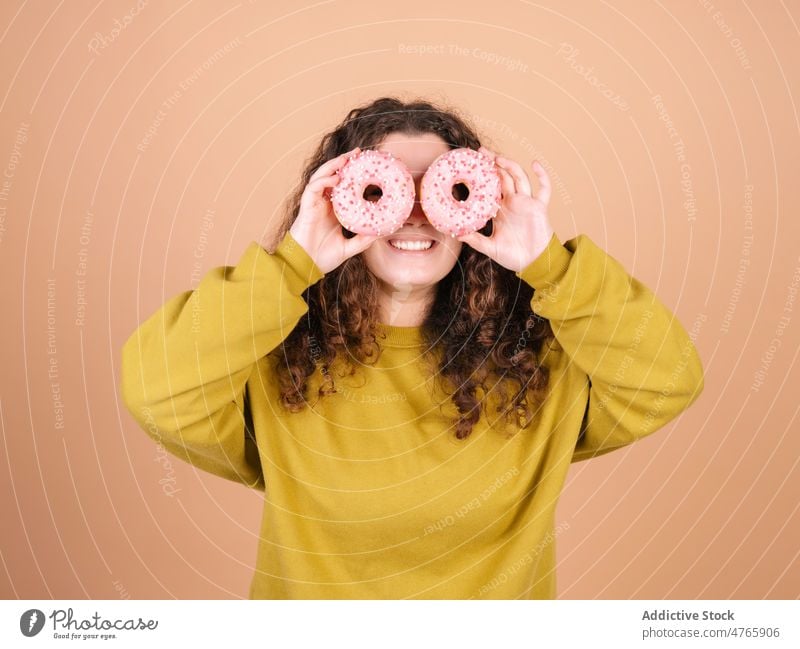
(413,271)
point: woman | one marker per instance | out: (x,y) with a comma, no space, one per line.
(411,417)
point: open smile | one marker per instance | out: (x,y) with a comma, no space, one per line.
(412,244)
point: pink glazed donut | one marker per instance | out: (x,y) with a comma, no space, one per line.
(472,169)
(390,183)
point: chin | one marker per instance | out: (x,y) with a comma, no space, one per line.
(410,280)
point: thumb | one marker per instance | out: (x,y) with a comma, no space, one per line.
(475,240)
(359,243)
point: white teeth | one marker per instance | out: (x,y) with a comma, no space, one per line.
(410,245)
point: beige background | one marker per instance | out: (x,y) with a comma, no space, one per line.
(706,508)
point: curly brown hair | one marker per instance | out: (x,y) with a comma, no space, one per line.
(494,333)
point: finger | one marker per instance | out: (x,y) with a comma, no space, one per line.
(506,182)
(318,185)
(476,240)
(359,243)
(543,194)
(334,164)
(328,168)
(487,152)
(521,180)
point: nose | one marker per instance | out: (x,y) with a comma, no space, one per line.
(417,215)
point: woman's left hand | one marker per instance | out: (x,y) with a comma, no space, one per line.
(521,229)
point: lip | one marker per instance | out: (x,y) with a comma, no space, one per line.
(401,236)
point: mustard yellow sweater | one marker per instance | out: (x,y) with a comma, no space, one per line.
(367,493)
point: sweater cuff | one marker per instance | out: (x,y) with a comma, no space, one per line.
(298,259)
(549,267)
(300,270)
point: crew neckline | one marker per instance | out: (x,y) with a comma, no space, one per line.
(394,336)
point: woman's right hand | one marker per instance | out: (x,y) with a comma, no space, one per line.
(316,227)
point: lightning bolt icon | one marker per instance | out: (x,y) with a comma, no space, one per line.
(32,620)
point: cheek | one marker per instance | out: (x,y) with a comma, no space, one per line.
(446,259)
(372,259)
(451,249)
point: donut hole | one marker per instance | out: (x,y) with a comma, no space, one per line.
(372,193)
(460,192)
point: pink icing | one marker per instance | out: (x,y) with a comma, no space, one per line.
(478,173)
(387,214)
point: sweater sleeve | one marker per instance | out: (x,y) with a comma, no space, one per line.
(642,367)
(184,370)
